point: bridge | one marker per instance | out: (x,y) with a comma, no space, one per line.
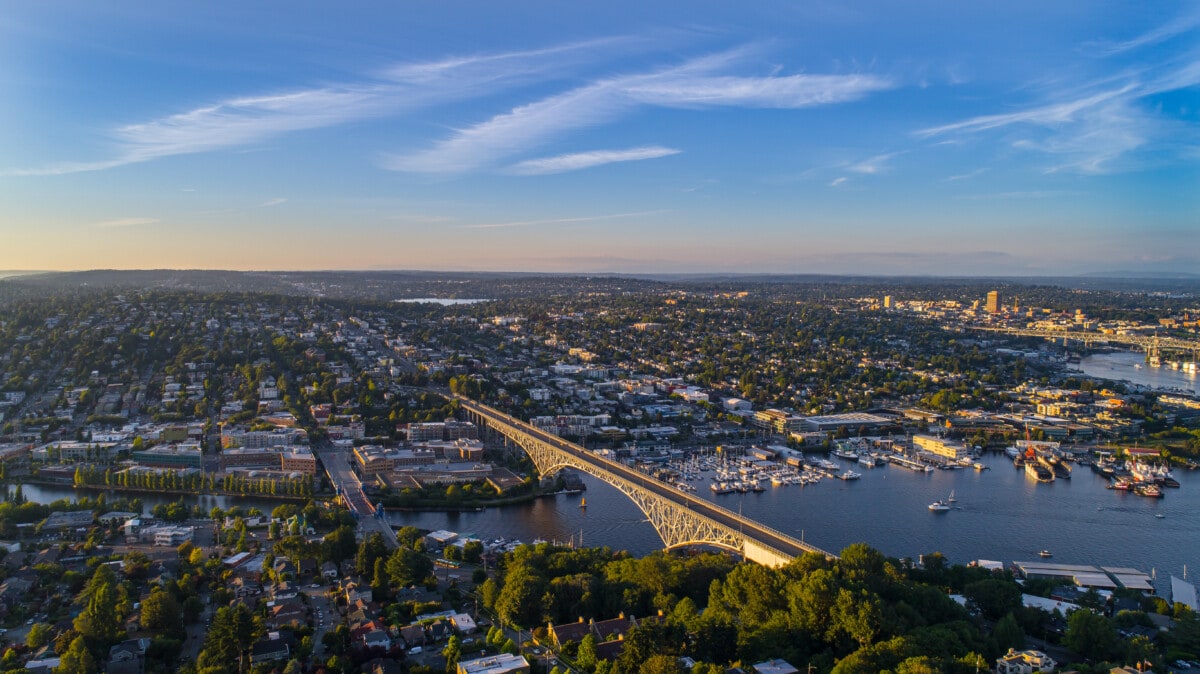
(1151,344)
(679,518)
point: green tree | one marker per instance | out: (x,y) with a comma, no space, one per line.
(585,657)
(77,660)
(39,635)
(452,652)
(1091,635)
(160,612)
(1008,634)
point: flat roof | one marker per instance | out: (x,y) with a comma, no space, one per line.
(1183,592)
(494,664)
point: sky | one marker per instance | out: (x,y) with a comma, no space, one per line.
(989,138)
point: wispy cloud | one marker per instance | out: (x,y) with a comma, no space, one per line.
(1173,28)
(562,221)
(272,202)
(125,222)
(966,176)
(1055,113)
(838,181)
(583,160)
(247,120)
(873,165)
(698,83)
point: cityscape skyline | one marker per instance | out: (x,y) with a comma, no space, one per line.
(867,140)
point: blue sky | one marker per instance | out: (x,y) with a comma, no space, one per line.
(861,138)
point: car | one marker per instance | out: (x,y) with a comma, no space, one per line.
(1181,664)
(315,585)
(29,622)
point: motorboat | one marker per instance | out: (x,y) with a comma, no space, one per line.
(1045,554)
(939,507)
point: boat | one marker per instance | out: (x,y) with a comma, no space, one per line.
(867,460)
(1061,470)
(849,475)
(951,499)
(1147,489)
(1045,554)
(1038,471)
(939,507)
(583,503)
(843,452)
(1159,515)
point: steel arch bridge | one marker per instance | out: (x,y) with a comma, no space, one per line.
(679,519)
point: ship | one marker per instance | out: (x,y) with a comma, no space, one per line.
(938,507)
(1039,471)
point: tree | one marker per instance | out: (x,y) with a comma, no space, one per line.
(1091,635)
(39,635)
(1008,634)
(585,657)
(100,620)
(406,566)
(77,660)
(661,664)
(993,597)
(161,612)
(452,652)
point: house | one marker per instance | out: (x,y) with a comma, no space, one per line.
(269,650)
(329,571)
(15,591)
(1024,662)
(570,632)
(286,613)
(464,623)
(774,666)
(377,638)
(413,635)
(128,657)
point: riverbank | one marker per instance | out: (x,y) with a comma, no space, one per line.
(53,484)
(474,506)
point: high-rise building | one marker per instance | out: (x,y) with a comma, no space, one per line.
(993,302)
(887,301)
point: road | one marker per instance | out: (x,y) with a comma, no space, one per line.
(749,528)
(343,477)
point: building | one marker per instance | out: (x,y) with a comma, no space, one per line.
(774,666)
(298,459)
(850,421)
(993,302)
(502,663)
(940,447)
(1024,662)
(170,456)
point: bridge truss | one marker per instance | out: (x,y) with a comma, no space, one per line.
(674,518)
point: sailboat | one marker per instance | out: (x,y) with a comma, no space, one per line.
(583,503)
(951,499)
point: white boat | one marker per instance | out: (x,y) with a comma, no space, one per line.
(849,475)
(938,507)
(951,498)
(867,459)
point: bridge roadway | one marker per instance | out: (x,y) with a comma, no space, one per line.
(749,529)
(337,467)
(1147,342)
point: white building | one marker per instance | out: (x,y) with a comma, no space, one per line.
(1024,662)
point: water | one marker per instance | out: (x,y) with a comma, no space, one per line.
(49,493)
(1000,514)
(446,302)
(1133,368)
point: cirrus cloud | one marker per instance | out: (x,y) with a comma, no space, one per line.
(584,160)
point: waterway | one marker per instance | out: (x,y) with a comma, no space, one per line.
(446,302)
(1000,514)
(1132,367)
